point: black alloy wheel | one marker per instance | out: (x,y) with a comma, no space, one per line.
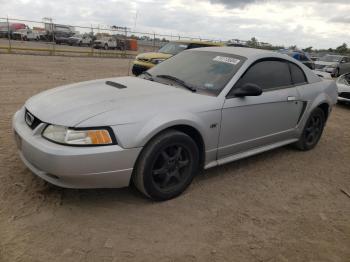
(171,168)
(312,131)
(167,165)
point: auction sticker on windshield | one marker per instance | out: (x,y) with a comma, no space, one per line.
(225,59)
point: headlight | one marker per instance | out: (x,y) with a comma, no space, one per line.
(157,60)
(78,137)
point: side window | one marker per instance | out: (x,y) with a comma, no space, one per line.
(268,75)
(345,60)
(303,58)
(298,76)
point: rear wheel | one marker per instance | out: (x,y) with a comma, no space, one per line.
(166,166)
(312,131)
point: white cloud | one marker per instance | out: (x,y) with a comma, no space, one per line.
(321,23)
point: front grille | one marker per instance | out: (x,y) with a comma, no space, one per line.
(143,59)
(319,66)
(345,95)
(31,120)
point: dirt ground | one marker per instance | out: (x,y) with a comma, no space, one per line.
(282,205)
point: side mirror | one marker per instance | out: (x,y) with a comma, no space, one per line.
(247,89)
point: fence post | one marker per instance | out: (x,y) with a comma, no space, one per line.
(53,37)
(154,41)
(100,37)
(125,40)
(9,34)
(92,41)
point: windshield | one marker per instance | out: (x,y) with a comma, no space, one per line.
(207,72)
(330,58)
(173,48)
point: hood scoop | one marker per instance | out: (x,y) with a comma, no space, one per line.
(114,84)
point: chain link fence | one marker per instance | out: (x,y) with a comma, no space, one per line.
(50,38)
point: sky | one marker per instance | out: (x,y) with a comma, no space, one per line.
(316,23)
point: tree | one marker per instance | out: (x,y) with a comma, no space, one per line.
(253,42)
(308,49)
(342,49)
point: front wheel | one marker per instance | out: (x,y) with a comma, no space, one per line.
(312,131)
(166,166)
(337,73)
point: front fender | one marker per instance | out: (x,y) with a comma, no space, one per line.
(138,134)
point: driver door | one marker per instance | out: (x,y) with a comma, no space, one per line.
(344,66)
(256,121)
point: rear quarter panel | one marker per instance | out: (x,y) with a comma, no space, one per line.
(315,94)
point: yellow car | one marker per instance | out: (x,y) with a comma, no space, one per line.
(146,61)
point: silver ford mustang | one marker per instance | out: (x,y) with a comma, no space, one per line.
(199,109)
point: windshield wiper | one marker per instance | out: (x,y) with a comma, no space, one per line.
(179,81)
(149,75)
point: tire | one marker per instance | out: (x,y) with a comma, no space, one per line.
(312,131)
(166,166)
(337,73)
(135,71)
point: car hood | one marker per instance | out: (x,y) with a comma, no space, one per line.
(154,55)
(325,63)
(140,99)
(74,38)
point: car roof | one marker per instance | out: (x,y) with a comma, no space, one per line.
(336,55)
(241,51)
(253,55)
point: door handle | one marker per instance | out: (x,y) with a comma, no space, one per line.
(291,98)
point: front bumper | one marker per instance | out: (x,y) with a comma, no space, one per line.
(99,45)
(73,167)
(344,93)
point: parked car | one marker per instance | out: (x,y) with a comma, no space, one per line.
(105,43)
(146,61)
(26,35)
(300,56)
(343,84)
(199,109)
(62,39)
(80,40)
(336,65)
